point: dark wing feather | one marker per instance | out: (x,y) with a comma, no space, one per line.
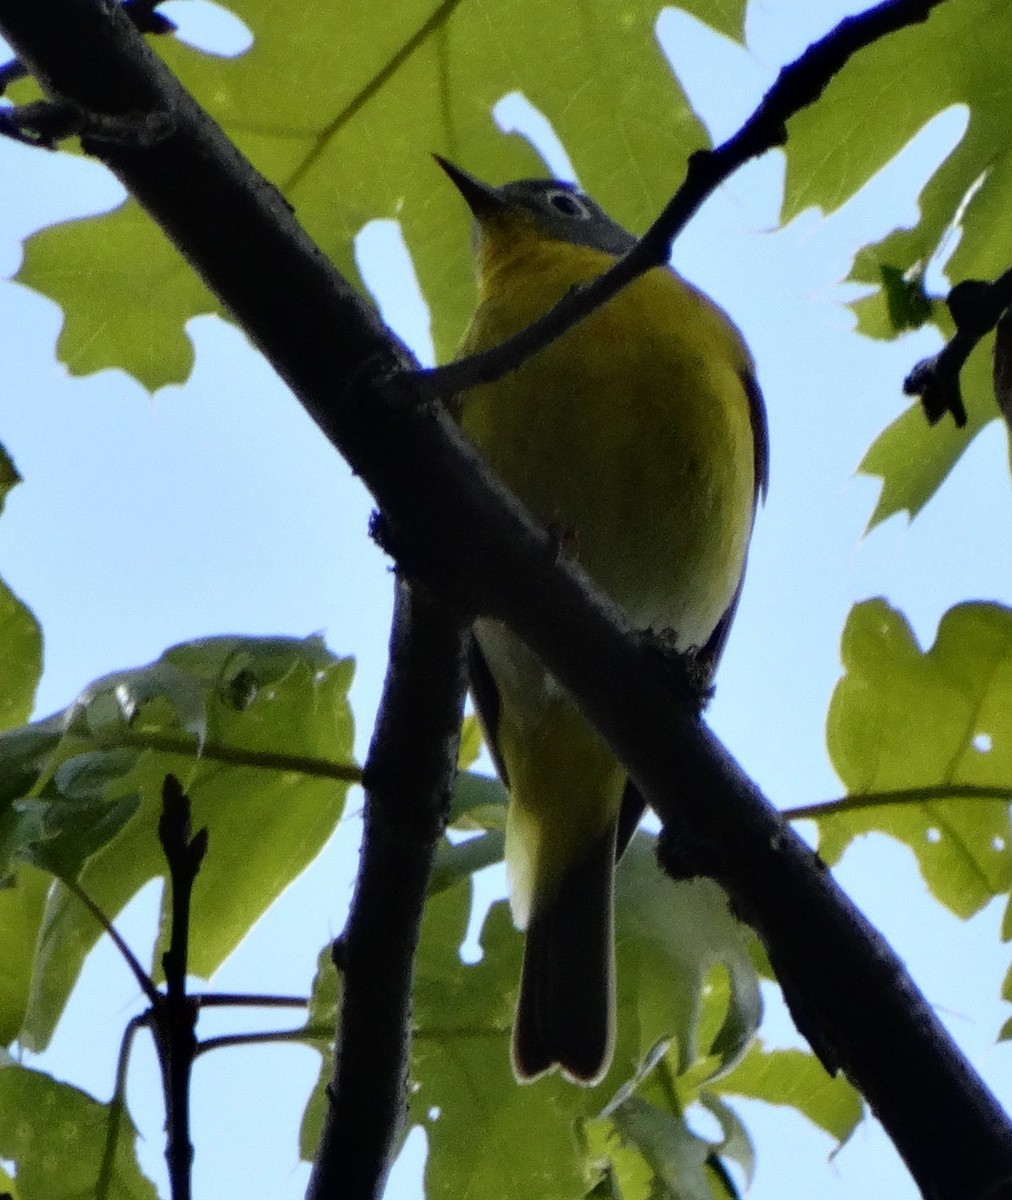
(760,434)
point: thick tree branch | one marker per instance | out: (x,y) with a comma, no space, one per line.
(409,777)
(454,529)
(143,14)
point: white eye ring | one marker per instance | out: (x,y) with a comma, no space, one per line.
(569,204)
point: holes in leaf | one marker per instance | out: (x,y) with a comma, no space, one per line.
(981,742)
(208,27)
(934,836)
(385,265)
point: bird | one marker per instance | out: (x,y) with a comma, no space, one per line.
(639,438)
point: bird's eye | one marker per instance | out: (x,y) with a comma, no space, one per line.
(568,204)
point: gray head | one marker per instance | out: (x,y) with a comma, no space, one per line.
(559,209)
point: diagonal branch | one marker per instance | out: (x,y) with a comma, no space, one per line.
(457,532)
(143,13)
(798,85)
(409,777)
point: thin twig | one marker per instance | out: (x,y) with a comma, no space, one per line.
(117,1106)
(240,1000)
(798,85)
(302,1034)
(174,1017)
(144,980)
(917,795)
(263,760)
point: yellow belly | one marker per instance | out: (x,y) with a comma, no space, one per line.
(631,436)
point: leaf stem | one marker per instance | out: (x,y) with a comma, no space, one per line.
(914,795)
(144,980)
(303,1033)
(266,760)
(117,1106)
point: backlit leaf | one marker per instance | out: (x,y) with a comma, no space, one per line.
(906,718)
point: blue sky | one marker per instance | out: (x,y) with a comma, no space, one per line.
(217,507)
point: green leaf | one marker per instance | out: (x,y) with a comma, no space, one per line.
(960,56)
(26,758)
(325,995)
(22,905)
(478,802)
(125,306)
(902,718)
(914,458)
(55,1136)
(414,77)
(735,1142)
(906,303)
(464,1096)
(470,742)
(20,653)
(271,720)
(679,946)
(685,979)
(58,835)
(456,861)
(653,1153)
(311,1125)
(677,1158)
(797,1079)
(323,1007)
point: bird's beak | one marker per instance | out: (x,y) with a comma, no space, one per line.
(482,199)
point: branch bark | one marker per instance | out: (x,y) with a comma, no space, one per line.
(455,530)
(799,84)
(409,776)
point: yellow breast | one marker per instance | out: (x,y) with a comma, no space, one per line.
(631,434)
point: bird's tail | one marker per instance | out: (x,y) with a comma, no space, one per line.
(566,1011)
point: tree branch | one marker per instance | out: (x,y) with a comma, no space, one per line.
(799,84)
(174,1017)
(976,308)
(409,778)
(144,15)
(927,794)
(457,531)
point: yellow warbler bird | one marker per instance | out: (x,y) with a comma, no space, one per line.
(640,437)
